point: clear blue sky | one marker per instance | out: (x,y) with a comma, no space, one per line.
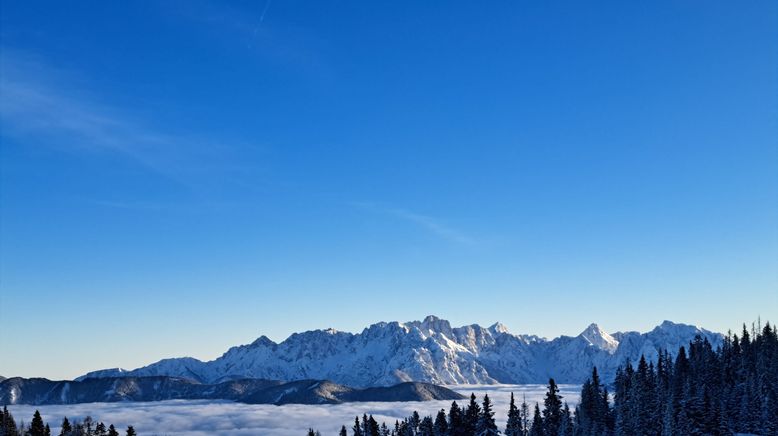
(181,177)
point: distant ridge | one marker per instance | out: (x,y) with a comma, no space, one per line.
(427,351)
(40,391)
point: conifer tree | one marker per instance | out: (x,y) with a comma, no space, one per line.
(456,421)
(537,423)
(372,427)
(524,411)
(567,427)
(513,426)
(112,431)
(37,427)
(131,431)
(426,427)
(552,410)
(471,416)
(441,425)
(343,431)
(485,424)
(357,429)
(7,423)
(66,428)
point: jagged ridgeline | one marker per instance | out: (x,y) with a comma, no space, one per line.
(431,351)
(38,427)
(730,389)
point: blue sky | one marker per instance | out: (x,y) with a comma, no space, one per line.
(178,178)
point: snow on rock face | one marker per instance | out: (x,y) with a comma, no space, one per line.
(427,351)
(597,337)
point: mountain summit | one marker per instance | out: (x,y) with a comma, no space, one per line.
(431,351)
(597,337)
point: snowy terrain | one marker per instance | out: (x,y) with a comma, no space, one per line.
(200,418)
(430,351)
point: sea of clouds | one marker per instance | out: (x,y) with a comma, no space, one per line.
(199,418)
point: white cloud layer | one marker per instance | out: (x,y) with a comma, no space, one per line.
(181,417)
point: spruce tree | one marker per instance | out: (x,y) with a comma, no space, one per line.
(357,429)
(456,421)
(66,428)
(441,425)
(37,427)
(471,416)
(7,423)
(131,431)
(513,426)
(567,427)
(485,424)
(112,431)
(524,412)
(537,423)
(552,410)
(343,431)
(372,427)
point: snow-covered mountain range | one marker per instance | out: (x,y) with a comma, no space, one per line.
(428,351)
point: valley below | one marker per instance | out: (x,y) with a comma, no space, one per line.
(208,417)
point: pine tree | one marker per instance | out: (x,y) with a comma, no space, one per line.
(426,427)
(37,427)
(372,427)
(8,424)
(441,425)
(343,431)
(525,426)
(567,427)
(456,421)
(357,429)
(112,431)
(311,432)
(471,416)
(47,430)
(513,426)
(552,410)
(131,431)
(537,423)
(66,427)
(485,424)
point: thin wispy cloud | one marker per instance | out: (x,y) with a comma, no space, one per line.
(36,102)
(431,224)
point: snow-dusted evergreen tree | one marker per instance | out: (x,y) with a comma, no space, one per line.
(537,423)
(8,424)
(567,427)
(472,413)
(486,425)
(426,427)
(37,426)
(524,412)
(552,410)
(456,421)
(441,424)
(513,426)
(65,428)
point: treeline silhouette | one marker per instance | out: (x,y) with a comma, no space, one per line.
(701,391)
(87,427)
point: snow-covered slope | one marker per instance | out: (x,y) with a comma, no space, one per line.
(428,351)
